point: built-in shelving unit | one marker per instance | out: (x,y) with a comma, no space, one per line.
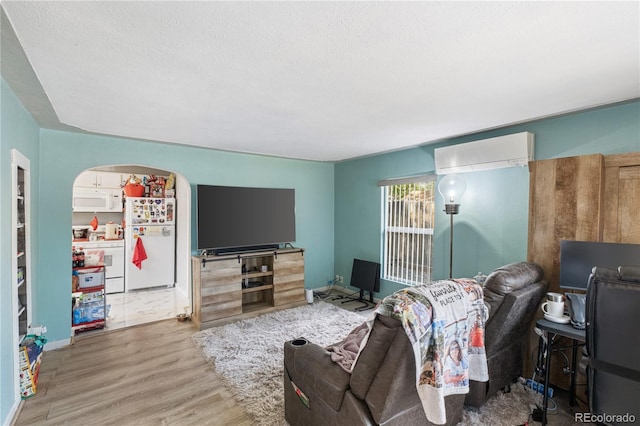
(20,254)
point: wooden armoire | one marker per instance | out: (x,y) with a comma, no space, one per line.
(588,198)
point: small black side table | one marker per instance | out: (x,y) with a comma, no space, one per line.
(565,330)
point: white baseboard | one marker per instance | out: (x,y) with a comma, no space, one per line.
(56,344)
(12,415)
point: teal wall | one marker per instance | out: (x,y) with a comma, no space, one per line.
(72,153)
(492,226)
(17,130)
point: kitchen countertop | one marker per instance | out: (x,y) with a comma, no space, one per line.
(86,240)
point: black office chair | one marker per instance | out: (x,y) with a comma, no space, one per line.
(613,324)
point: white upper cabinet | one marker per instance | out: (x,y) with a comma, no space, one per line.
(92,179)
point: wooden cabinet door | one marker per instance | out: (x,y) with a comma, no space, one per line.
(217,289)
(629,205)
(565,203)
(288,278)
(622,198)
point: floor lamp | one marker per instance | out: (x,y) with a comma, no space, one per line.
(451,187)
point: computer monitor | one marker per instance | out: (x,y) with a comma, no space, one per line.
(365,275)
(577,259)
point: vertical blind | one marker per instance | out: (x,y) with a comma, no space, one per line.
(408,229)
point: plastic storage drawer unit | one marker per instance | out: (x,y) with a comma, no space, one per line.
(90,279)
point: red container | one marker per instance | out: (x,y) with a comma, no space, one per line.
(133,190)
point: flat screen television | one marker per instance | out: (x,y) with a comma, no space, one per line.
(240,218)
(577,259)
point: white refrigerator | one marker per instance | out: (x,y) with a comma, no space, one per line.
(150,240)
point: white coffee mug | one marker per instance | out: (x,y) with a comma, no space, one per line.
(555,309)
(263,268)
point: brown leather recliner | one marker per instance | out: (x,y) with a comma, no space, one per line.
(513,294)
(382,386)
(380,390)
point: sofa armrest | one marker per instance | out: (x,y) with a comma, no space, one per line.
(310,367)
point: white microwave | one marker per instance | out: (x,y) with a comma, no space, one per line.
(97,200)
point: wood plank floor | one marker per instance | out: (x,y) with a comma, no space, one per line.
(150,374)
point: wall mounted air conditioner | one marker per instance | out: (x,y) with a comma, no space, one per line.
(494,153)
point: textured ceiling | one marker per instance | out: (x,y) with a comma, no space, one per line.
(324,80)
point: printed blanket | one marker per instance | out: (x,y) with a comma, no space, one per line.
(444,321)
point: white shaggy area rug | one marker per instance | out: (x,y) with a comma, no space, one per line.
(248,355)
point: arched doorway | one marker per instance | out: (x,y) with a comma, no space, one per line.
(126,306)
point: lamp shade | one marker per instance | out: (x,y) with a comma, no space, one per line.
(451,187)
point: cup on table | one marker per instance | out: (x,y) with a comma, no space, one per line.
(553,308)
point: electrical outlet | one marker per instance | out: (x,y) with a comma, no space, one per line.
(341,279)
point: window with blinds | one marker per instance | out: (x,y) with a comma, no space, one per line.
(408,229)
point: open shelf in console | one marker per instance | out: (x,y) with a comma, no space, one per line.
(262,287)
(257,274)
(257,281)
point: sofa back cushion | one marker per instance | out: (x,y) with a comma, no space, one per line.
(507,279)
(369,360)
(384,375)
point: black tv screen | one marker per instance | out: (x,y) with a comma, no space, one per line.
(244,218)
(365,275)
(577,259)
